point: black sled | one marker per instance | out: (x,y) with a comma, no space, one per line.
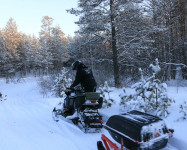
(82,109)
(136,131)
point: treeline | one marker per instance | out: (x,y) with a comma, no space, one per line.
(115,38)
(22,54)
(127,35)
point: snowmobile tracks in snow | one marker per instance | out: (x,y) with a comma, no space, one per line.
(88,127)
(175,144)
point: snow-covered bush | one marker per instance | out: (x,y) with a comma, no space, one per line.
(105,93)
(183,111)
(61,83)
(56,84)
(123,97)
(150,95)
(46,84)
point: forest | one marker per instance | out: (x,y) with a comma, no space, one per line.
(115,38)
(137,52)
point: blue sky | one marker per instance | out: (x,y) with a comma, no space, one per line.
(28,14)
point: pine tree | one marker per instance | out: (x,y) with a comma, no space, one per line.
(183,111)
(100,20)
(59,47)
(150,94)
(61,83)
(12,39)
(45,42)
(3,54)
(105,93)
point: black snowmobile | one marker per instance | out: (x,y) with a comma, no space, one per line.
(82,109)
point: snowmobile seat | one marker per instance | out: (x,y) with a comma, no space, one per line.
(92,95)
(94,100)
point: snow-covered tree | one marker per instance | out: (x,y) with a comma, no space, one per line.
(150,94)
(53,44)
(61,83)
(133,36)
(183,111)
(100,20)
(59,47)
(12,40)
(105,93)
(125,100)
(33,55)
(45,42)
(12,37)
(4,57)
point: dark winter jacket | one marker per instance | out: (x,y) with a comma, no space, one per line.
(85,77)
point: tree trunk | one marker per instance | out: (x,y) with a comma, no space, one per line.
(114,47)
(182,31)
(185,23)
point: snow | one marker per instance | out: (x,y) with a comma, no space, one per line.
(155,68)
(26,120)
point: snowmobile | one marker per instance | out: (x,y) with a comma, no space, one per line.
(135,130)
(83,109)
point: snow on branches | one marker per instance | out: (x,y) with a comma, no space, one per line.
(55,84)
(105,93)
(61,83)
(155,68)
(150,95)
(183,111)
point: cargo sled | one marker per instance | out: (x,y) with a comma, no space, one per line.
(136,131)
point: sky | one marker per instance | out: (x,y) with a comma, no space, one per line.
(29,13)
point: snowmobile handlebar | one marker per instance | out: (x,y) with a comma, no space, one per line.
(74,89)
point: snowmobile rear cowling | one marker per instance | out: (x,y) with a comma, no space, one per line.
(139,131)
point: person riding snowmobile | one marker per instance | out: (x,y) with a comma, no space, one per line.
(81,104)
(84,76)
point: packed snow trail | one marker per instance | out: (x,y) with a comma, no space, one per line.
(26,122)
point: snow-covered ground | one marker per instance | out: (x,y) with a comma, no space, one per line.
(26,121)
